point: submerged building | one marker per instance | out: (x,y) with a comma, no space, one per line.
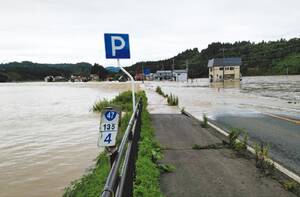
(173,75)
(180,75)
(221,69)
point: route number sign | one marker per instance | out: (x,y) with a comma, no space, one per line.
(109,124)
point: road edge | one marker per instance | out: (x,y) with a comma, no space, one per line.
(278,166)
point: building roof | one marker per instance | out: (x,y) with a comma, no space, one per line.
(163,71)
(180,71)
(221,62)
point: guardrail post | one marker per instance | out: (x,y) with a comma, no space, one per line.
(112,157)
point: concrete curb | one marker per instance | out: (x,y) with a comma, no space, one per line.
(278,166)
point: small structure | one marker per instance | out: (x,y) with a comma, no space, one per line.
(164,75)
(94,77)
(138,76)
(222,69)
(180,75)
(175,75)
(60,78)
(49,79)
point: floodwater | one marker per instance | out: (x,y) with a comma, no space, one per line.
(267,107)
(48,134)
(267,94)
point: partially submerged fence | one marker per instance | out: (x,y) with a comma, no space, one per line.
(121,176)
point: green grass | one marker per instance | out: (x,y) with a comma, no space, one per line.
(160,92)
(92,183)
(166,168)
(204,123)
(290,185)
(147,168)
(238,145)
(172,100)
(122,101)
(262,158)
(196,147)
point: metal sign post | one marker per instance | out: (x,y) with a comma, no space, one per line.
(132,84)
(117,47)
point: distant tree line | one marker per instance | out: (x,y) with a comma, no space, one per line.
(29,71)
(263,58)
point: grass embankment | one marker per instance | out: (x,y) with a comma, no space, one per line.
(147,168)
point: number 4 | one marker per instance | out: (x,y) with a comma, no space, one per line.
(108,138)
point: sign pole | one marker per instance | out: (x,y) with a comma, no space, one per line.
(132,83)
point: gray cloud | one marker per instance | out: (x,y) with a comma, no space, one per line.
(72,30)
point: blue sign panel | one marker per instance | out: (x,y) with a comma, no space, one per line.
(147,71)
(117,46)
(110,115)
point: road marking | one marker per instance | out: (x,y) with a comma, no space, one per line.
(283,118)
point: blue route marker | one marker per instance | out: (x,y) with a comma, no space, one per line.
(110,115)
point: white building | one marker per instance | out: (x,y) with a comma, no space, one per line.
(175,75)
(164,75)
(180,75)
(221,69)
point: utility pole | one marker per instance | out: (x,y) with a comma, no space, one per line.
(223,49)
(187,69)
(132,83)
(173,65)
(142,73)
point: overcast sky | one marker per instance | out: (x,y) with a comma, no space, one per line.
(52,31)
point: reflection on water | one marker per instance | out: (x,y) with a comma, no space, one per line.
(226,84)
(48,135)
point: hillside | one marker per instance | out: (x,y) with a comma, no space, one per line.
(29,71)
(264,58)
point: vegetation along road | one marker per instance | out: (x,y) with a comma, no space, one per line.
(282,136)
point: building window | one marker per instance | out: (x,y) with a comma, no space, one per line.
(231,68)
(226,68)
(221,68)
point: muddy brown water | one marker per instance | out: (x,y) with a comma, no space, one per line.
(267,107)
(48,134)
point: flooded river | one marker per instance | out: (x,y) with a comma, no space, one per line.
(267,94)
(48,135)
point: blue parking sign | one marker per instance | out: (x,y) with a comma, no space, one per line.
(117,46)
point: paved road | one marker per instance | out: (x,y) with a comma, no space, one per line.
(206,172)
(282,136)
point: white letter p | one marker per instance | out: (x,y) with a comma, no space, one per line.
(114,47)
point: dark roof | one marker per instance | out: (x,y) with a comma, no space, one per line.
(231,61)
